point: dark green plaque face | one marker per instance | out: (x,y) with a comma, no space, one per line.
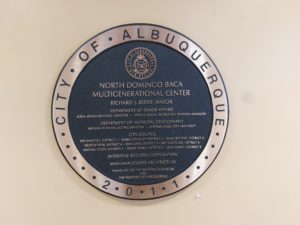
(140,111)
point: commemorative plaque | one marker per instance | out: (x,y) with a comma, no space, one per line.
(140,111)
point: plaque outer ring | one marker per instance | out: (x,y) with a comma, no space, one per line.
(107,39)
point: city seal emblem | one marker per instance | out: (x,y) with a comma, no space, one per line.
(140,63)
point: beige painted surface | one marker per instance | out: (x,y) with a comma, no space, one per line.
(256,178)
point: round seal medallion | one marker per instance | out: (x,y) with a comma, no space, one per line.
(140,63)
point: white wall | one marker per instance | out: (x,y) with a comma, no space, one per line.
(256,178)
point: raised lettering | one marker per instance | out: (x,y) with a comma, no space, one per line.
(126,35)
